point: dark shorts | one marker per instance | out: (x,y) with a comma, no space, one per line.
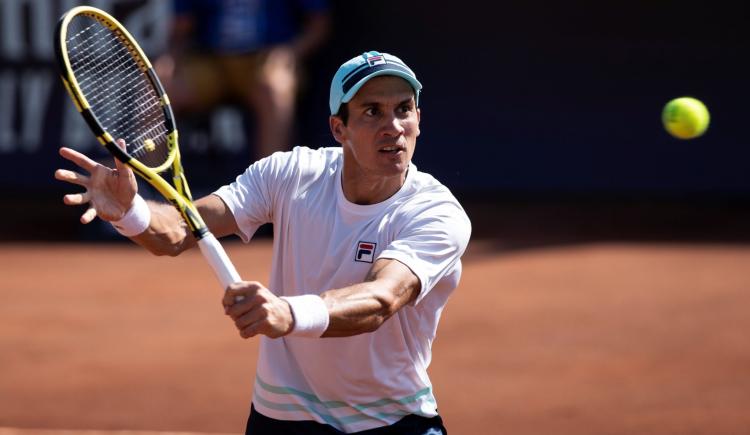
(259,424)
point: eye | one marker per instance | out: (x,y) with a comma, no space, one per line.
(405,108)
(372,111)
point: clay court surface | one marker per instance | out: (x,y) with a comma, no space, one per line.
(578,338)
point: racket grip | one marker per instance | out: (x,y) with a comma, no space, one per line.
(219,260)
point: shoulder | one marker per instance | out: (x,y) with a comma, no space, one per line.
(307,164)
(428,200)
(425,191)
(298,160)
(291,172)
(305,156)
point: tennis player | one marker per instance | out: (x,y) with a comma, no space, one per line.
(366,253)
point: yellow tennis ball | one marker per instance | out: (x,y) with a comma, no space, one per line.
(685,118)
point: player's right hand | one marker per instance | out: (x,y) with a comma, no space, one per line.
(109,192)
(258,311)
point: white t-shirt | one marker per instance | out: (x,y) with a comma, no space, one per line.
(322,241)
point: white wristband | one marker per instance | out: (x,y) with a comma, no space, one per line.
(310,315)
(135,220)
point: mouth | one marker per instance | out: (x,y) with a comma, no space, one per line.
(392,149)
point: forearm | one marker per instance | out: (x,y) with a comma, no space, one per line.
(363,307)
(355,310)
(167,233)
(342,312)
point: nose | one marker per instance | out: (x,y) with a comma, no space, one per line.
(393,126)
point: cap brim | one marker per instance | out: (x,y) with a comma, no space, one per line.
(385,72)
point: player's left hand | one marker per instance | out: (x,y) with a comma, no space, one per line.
(109,191)
(259,312)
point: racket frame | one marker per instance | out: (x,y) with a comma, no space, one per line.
(179,195)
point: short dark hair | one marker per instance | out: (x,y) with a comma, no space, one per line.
(344,112)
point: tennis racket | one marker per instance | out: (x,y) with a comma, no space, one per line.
(116,90)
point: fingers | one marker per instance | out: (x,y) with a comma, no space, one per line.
(251,317)
(71,177)
(240,291)
(88,216)
(236,309)
(248,315)
(261,311)
(251,330)
(76,198)
(74,178)
(79,159)
(257,321)
(266,319)
(244,306)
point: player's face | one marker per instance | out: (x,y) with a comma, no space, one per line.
(381,133)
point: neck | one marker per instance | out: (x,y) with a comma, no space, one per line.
(362,189)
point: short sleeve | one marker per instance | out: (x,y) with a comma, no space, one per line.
(253,197)
(431,242)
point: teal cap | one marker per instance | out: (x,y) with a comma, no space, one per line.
(354,73)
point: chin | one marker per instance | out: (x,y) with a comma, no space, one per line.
(397,169)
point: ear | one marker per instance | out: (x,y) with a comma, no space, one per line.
(419,118)
(338,129)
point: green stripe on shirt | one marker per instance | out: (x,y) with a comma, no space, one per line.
(333,404)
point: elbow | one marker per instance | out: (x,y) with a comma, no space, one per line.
(388,299)
(387,307)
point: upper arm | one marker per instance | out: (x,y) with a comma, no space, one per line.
(431,243)
(217,216)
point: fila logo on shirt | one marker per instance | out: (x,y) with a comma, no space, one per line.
(365,252)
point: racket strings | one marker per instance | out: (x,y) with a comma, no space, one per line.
(119,92)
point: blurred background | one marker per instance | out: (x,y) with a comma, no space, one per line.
(605,288)
(524,102)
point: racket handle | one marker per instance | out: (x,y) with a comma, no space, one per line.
(219,260)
